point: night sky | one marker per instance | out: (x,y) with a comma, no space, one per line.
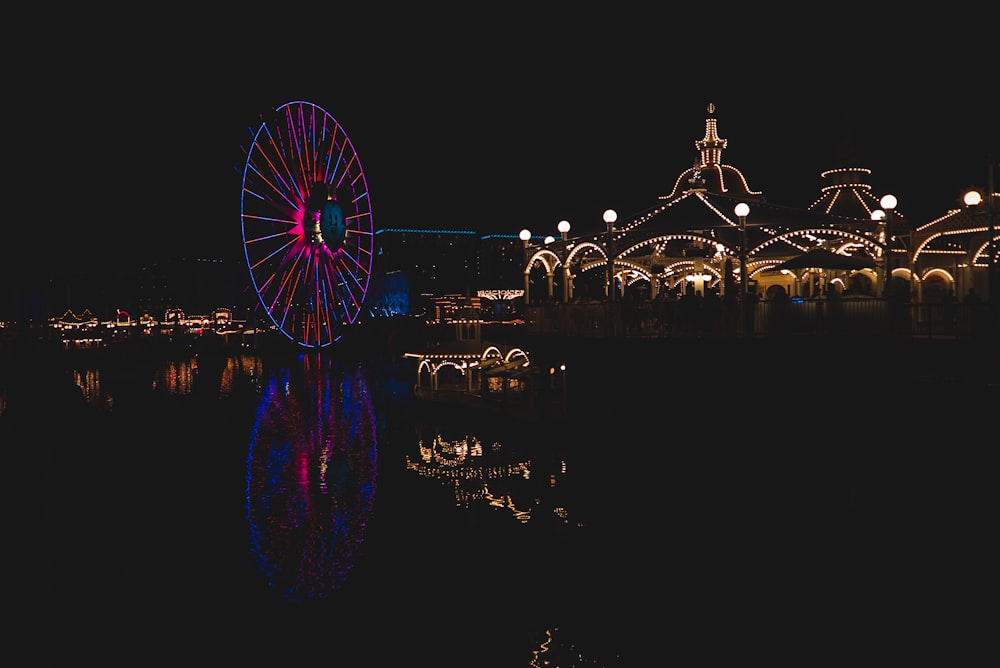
(492,123)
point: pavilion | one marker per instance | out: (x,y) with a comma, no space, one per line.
(692,240)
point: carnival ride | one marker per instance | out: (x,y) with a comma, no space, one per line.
(307,223)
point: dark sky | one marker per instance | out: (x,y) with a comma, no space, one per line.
(492,123)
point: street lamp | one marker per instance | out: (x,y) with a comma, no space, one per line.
(878,215)
(888,203)
(610,216)
(525,237)
(563,228)
(973,199)
(742,210)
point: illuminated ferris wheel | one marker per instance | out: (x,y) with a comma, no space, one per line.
(307,223)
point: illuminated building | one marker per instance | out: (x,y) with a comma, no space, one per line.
(692,242)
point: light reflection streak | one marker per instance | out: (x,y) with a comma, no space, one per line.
(559,648)
(311,477)
(102,383)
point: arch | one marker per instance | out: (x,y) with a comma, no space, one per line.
(491,352)
(550,261)
(903,273)
(686,236)
(517,353)
(982,255)
(544,257)
(632,268)
(816,233)
(937,272)
(585,247)
(776,291)
(937,284)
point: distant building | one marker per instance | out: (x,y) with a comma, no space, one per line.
(429,263)
(198,285)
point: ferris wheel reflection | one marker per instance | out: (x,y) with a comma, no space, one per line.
(310,477)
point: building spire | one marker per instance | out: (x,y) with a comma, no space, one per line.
(711,146)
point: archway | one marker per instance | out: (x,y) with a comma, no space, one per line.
(937,287)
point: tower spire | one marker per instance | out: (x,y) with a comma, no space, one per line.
(711,146)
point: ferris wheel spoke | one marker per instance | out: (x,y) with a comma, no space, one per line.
(277,254)
(349,295)
(284,300)
(287,286)
(269,192)
(274,171)
(354,262)
(353,294)
(332,299)
(328,171)
(296,143)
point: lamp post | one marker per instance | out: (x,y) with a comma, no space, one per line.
(888,204)
(878,215)
(563,228)
(610,216)
(525,237)
(742,210)
(973,199)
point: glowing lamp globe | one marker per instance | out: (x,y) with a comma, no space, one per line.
(972,198)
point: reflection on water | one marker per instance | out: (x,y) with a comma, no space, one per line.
(311,473)
(102,384)
(89,382)
(494,475)
(551,542)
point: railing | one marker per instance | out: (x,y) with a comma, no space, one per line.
(842,317)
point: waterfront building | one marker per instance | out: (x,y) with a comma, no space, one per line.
(691,239)
(714,236)
(436,261)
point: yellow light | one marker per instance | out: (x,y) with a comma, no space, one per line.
(972,198)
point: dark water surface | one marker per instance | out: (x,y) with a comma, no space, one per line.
(697,506)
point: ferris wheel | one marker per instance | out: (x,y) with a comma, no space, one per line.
(307,223)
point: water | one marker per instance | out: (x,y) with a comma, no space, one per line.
(251,506)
